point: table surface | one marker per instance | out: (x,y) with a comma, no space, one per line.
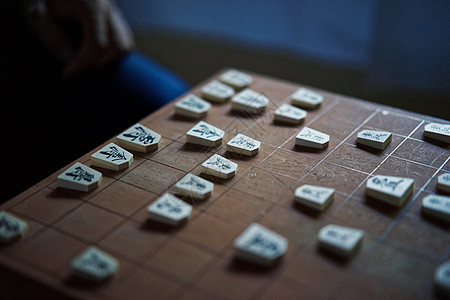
(397,259)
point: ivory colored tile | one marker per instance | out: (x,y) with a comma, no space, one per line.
(442,278)
(194,186)
(437,131)
(192,106)
(219,166)
(216,91)
(289,114)
(112,157)
(306,98)
(236,79)
(260,245)
(88,222)
(94,264)
(80,178)
(340,240)
(205,134)
(390,189)
(315,197)
(139,138)
(443,183)
(374,138)
(11,227)
(249,101)
(437,206)
(308,137)
(244,145)
(169,210)
(180,259)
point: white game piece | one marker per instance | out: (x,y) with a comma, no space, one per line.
(220,167)
(249,101)
(374,138)
(340,240)
(11,227)
(192,106)
(205,134)
(94,264)
(389,189)
(244,145)
(440,132)
(443,183)
(236,79)
(260,245)
(289,114)
(217,91)
(437,206)
(305,98)
(316,197)
(169,210)
(194,186)
(308,137)
(139,138)
(80,178)
(112,157)
(442,278)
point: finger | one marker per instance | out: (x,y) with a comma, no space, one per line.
(93,18)
(51,34)
(120,37)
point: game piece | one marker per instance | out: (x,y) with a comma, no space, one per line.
(437,206)
(94,264)
(112,157)
(194,186)
(169,210)
(192,106)
(305,98)
(389,189)
(236,79)
(204,134)
(80,178)
(289,114)
(260,245)
(11,227)
(139,138)
(316,197)
(217,91)
(374,138)
(442,278)
(340,240)
(219,166)
(249,101)
(244,145)
(440,132)
(311,138)
(443,183)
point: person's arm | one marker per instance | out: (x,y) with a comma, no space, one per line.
(104,33)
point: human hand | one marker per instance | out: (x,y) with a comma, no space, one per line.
(104,32)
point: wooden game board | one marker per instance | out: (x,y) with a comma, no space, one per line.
(399,254)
